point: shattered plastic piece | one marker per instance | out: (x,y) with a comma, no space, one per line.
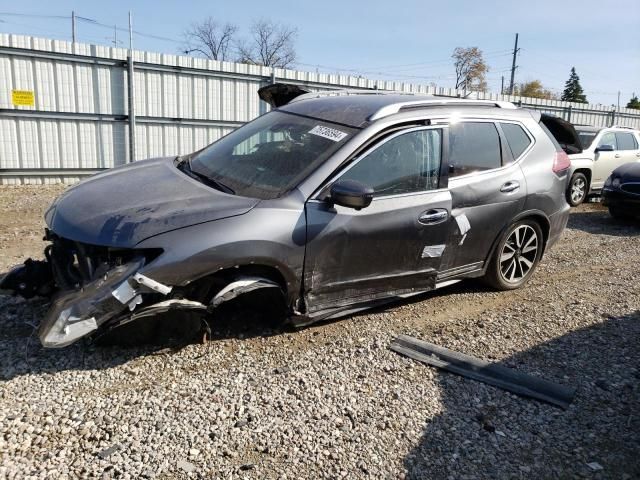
(77,328)
(432,251)
(595,466)
(152,284)
(137,300)
(124,293)
(106,453)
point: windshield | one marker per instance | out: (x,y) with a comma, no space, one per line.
(586,138)
(271,155)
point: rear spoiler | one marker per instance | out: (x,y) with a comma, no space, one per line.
(278,94)
(563,132)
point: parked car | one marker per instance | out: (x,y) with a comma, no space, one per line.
(333,202)
(621,192)
(604,149)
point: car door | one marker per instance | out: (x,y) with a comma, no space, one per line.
(627,148)
(393,246)
(604,162)
(487,187)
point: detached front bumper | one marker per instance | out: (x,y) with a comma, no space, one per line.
(80,312)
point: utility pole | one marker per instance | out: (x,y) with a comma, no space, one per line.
(502,86)
(73,26)
(130,35)
(513,66)
(618,100)
(131,103)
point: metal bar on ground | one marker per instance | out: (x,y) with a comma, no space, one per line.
(477,369)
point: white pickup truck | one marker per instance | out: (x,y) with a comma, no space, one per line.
(603,150)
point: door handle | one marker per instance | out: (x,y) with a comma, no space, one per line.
(433,216)
(509,187)
(617,155)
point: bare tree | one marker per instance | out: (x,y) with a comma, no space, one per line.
(470,68)
(210,38)
(271,44)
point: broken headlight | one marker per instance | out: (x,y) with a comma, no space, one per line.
(78,313)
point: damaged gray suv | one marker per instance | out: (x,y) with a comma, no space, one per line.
(332,202)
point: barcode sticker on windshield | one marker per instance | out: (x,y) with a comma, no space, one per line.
(326,132)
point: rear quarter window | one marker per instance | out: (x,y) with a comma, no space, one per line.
(517,138)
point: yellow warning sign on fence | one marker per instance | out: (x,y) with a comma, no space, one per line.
(23,98)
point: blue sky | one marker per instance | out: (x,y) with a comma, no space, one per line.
(403,40)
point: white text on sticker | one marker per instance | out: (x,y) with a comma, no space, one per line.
(326,132)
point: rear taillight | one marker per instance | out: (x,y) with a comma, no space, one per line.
(561,162)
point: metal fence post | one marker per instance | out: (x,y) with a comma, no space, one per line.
(613,117)
(569,110)
(131,111)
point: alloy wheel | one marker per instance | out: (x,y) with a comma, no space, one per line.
(578,190)
(519,254)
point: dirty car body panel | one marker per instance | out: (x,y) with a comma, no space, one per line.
(333,202)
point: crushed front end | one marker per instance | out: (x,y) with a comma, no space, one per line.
(91,287)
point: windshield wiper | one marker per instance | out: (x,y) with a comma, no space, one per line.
(185,166)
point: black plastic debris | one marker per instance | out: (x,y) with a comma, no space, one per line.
(477,369)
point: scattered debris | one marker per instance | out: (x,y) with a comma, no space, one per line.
(477,369)
(247,466)
(285,369)
(186,466)
(106,453)
(595,466)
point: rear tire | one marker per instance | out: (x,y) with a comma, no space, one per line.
(516,256)
(577,189)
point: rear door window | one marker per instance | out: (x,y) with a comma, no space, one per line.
(626,141)
(473,147)
(517,138)
(609,138)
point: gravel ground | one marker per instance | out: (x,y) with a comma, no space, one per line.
(331,401)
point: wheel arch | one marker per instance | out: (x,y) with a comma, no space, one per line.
(538,215)
(207,286)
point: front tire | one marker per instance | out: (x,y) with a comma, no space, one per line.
(577,189)
(516,256)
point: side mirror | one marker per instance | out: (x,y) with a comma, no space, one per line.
(604,148)
(351,194)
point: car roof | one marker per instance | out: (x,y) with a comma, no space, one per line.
(357,109)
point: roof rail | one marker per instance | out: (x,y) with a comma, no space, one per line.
(623,126)
(434,102)
(348,91)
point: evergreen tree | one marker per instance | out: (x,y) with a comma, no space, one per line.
(573,90)
(634,102)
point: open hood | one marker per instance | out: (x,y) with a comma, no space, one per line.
(278,94)
(125,205)
(563,132)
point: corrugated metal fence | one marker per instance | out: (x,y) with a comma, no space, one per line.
(78,119)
